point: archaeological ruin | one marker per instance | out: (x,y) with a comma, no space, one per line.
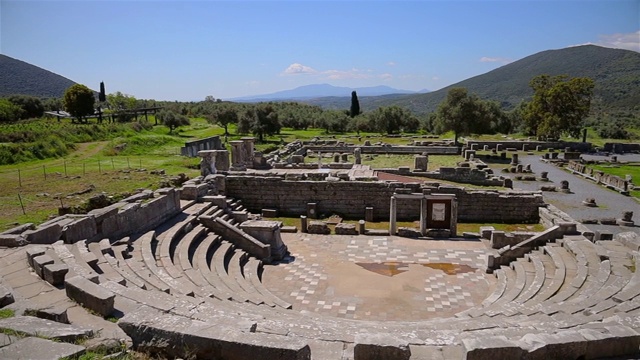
(208,270)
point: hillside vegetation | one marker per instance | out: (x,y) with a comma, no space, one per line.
(19,77)
(616,74)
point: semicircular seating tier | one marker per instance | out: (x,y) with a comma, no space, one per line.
(183,290)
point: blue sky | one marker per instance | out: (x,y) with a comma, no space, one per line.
(186,50)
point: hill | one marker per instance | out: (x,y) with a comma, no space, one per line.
(616,74)
(19,77)
(322,90)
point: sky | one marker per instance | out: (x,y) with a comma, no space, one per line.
(187,50)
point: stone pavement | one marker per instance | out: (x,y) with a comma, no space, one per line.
(611,203)
(380,278)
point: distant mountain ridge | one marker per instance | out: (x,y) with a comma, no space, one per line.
(322,90)
(616,74)
(19,77)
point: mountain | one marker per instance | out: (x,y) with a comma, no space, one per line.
(322,90)
(616,74)
(19,77)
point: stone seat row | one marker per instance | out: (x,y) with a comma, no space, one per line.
(571,276)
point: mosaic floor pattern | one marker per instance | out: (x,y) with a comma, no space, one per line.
(380,278)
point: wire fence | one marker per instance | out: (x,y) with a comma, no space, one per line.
(38,189)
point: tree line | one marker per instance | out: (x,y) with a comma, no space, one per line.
(559,106)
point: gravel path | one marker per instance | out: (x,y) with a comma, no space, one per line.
(610,203)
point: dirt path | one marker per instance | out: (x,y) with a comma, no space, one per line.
(89,149)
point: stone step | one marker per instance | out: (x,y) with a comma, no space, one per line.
(505,304)
(144,246)
(167,243)
(202,270)
(33,326)
(234,269)
(76,266)
(538,280)
(136,268)
(107,272)
(253,271)
(183,256)
(219,265)
(38,348)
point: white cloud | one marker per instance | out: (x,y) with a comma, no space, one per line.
(629,41)
(495,59)
(345,74)
(297,69)
(385,76)
(391,63)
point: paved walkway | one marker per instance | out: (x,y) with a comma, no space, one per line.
(381,278)
(611,204)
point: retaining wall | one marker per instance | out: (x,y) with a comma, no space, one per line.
(350,198)
(611,181)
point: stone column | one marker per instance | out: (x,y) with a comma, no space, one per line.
(237,155)
(222,160)
(392,217)
(423,216)
(304,224)
(514,159)
(248,150)
(207,162)
(421,163)
(454,218)
(319,160)
(357,153)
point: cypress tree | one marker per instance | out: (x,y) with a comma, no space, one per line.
(355,105)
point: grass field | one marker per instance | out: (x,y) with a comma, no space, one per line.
(622,170)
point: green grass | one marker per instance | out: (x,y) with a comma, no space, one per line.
(622,170)
(462,227)
(6,313)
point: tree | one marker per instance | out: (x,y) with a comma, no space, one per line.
(31,106)
(9,112)
(355,105)
(171,119)
(265,122)
(389,119)
(463,114)
(223,116)
(78,101)
(559,105)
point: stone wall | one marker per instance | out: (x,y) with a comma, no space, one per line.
(465,175)
(611,181)
(531,145)
(621,148)
(191,148)
(379,149)
(130,216)
(350,198)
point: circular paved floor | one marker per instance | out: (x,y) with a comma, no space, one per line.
(380,278)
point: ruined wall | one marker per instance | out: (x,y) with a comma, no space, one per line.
(350,198)
(191,148)
(598,176)
(531,145)
(379,149)
(621,148)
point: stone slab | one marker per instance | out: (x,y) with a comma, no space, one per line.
(380,347)
(39,262)
(90,295)
(177,336)
(54,274)
(33,326)
(44,234)
(491,348)
(12,240)
(40,349)
(6,296)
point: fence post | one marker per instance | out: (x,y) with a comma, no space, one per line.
(44,171)
(65,168)
(21,204)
